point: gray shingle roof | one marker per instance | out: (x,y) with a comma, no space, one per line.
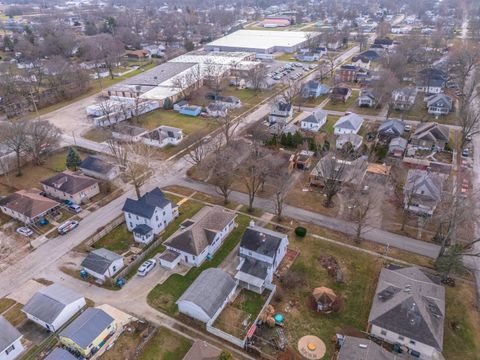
(99,260)
(96,164)
(351,121)
(440,100)
(146,205)
(409,303)
(194,238)
(431,131)
(354,348)
(317,117)
(261,240)
(142,229)
(86,328)
(49,302)
(60,354)
(69,183)
(424,184)
(209,290)
(394,127)
(8,334)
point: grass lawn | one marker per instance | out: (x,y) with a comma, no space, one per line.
(165,345)
(365,110)
(462,324)
(189,124)
(97,134)
(331,120)
(310,102)
(286,57)
(15,316)
(247,96)
(187,210)
(340,106)
(5,303)
(163,296)
(57,161)
(360,279)
(118,240)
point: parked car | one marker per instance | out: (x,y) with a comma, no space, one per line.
(25,231)
(75,208)
(146,267)
(408,128)
(67,226)
(465,152)
(68,202)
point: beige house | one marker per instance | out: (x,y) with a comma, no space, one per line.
(71,186)
(27,206)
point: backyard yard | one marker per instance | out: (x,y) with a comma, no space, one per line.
(163,296)
(342,106)
(118,240)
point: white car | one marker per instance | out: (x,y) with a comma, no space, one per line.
(146,267)
(25,231)
(67,226)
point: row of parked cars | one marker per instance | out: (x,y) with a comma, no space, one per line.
(64,228)
(289,68)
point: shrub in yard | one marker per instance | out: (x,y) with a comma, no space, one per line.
(167,105)
(300,231)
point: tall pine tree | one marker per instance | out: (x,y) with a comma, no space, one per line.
(73,159)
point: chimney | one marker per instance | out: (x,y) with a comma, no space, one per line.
(252,223)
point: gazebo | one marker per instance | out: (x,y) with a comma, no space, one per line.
(324,298)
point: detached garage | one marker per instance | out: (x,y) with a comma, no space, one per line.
(207,295)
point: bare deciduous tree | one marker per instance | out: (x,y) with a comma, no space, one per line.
(280,180)
(41,136)
(250,173)
(221,167)
(13,135)
(134,160)
(360,206)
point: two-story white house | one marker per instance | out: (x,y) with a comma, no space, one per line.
(52,306)
(409,309)
(10,341)
(200,237)
(149,215)
(261,252)
(281,112)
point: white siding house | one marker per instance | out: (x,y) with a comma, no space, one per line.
(200,237)
(348,124)
(102,264)
(314,121)
(53,306)
(261,252)
(10,341)
(152,210)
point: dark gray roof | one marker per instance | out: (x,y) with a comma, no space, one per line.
(86,328)
(370,54)
(209,290)
(8,334)
(69,183)
(354,348)
(194,238)
(424,185)
(409,303)
(254,267)
(96,164)
(440,100)
(351,121)
(316,117)
(49,302)
(146,205)
(158,74)
(261,240)
(393,127)
(99,260)
(431,131)
(142,229)
(60,354)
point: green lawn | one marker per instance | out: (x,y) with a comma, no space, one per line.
(310,102)
(340,106)
(163,296)
(118,240)
(5,303)
(97,134)
(165,345)
(187,210)
(331,120)
(15,315)
(189,124)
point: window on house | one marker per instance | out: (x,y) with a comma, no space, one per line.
(412,342)
(129,216)
(383,332)
(10,349)
(401,338)
(156,217)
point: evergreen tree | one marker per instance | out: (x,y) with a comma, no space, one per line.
(73,159)
(225,355)
(167,104)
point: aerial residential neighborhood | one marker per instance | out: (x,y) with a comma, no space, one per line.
(195,180)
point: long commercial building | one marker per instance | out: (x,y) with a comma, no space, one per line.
(262,41)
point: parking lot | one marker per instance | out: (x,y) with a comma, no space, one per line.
(287,71)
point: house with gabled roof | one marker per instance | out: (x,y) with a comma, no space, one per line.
(422,191)
(207,295)
(10,340)
(404,98)
(439,104)
(367,98)
(88,332)
(261,252)
(102,264)
(409,309)
(340,93)
(60,354)
(280,112)
(98,168)
(201,236)
(52,306)
(149,215)
(314,89)
(72,186)
(314,121)
(430,136)
(348,124)
(391,128)
(27,206)
(354,348)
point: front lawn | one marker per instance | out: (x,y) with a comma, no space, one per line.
(163,296)
(189,124)
(341,106)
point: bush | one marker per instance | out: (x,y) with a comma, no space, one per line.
(300,231)
(167,105)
